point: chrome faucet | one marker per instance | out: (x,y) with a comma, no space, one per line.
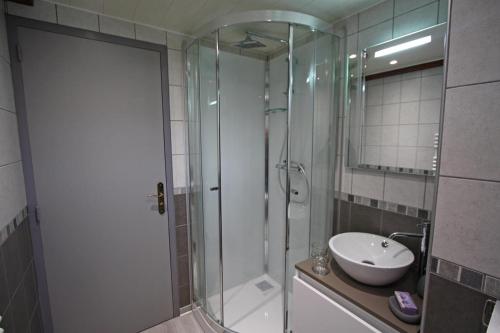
(424,244)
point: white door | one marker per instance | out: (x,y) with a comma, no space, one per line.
(95,121)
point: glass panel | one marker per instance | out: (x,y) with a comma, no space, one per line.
(312,140)
(253,241)
(202,113)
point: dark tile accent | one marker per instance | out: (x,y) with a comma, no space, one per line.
(423,214)
(453,308)
(30,289)
(182,240)
(183,270)
(180,209)
(345,217)
(20,314)
(401,209)
(365,219)
(434,265)
(36,322)
(184,297)
(4,292)
(448,270)
(471,278)
(350,198)
(373,203)
(492,286)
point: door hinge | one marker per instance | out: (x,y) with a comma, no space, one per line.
(19,53)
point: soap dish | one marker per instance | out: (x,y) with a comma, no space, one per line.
(410,319)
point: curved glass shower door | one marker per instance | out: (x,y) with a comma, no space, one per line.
(262,140)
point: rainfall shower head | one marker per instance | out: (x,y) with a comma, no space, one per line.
(249,43)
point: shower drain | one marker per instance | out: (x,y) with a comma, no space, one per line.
(264,285)
(368,262)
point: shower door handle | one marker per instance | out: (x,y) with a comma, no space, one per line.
(215,188)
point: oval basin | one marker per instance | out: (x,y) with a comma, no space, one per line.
(362,256)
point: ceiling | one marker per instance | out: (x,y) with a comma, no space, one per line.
(186,16)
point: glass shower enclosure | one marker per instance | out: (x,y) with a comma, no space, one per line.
(262,122)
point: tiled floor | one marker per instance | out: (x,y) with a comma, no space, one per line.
(186,323)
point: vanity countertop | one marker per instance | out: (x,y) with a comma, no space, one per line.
(374,300)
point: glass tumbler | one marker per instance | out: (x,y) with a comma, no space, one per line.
(319,254)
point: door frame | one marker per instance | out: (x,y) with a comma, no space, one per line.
(13,24)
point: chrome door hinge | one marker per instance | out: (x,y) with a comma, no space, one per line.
(19,53)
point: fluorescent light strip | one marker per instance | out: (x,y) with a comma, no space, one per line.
(403,46)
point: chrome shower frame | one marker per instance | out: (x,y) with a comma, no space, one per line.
(213,28)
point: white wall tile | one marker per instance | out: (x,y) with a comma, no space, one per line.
(471,133)
(12,194)
(150,35)
(407,157)
(426,134)
(416,20)
(6,88)
(77,18)
(410,90)
(175,68)
(408,113)
(390,135)
(403,6)
(42,10)
(176,102)
(374,95)
(373,135)
(389,156)
(432,87)
(390,114)
(178,139)
(9,138)
(372,155)
(109,25)
(424,158)
(179,170)
(351,24)
(466,228)
(175,41)
(405,189)
(429,111)
(376,14)
(473,42)
(392,93)
(408,135)
(373,115)
(368,184)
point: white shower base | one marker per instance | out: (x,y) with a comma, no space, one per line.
(248,309)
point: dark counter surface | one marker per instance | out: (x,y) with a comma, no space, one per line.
(374,300)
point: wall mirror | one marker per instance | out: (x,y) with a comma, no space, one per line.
(394,96)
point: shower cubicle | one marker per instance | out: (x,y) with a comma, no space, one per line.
(262,123)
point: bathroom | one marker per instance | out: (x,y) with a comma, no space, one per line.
(294,166)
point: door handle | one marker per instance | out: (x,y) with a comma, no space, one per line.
(160,196)
(215,188)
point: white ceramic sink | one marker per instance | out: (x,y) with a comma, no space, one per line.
(363,257)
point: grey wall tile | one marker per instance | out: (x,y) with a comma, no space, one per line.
(471,132)
(344,223)
(403,6)
(4,290)
(452,308)
(180,209)
(474,43)
(6,88)
(471,278)
(368,184)
(405,189)
(183,270)
(182,240)
(77,18)
(4,47)
(109,25)
(429,193)
(393,222)
(415,20)
(9,138)
(466,225)
(376,14)
(12,194)
(42,10)
(374,35)
(365,219)
(152,35)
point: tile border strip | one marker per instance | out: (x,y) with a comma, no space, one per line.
(13,225)
(410,171)
(384,205)
(486,284)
